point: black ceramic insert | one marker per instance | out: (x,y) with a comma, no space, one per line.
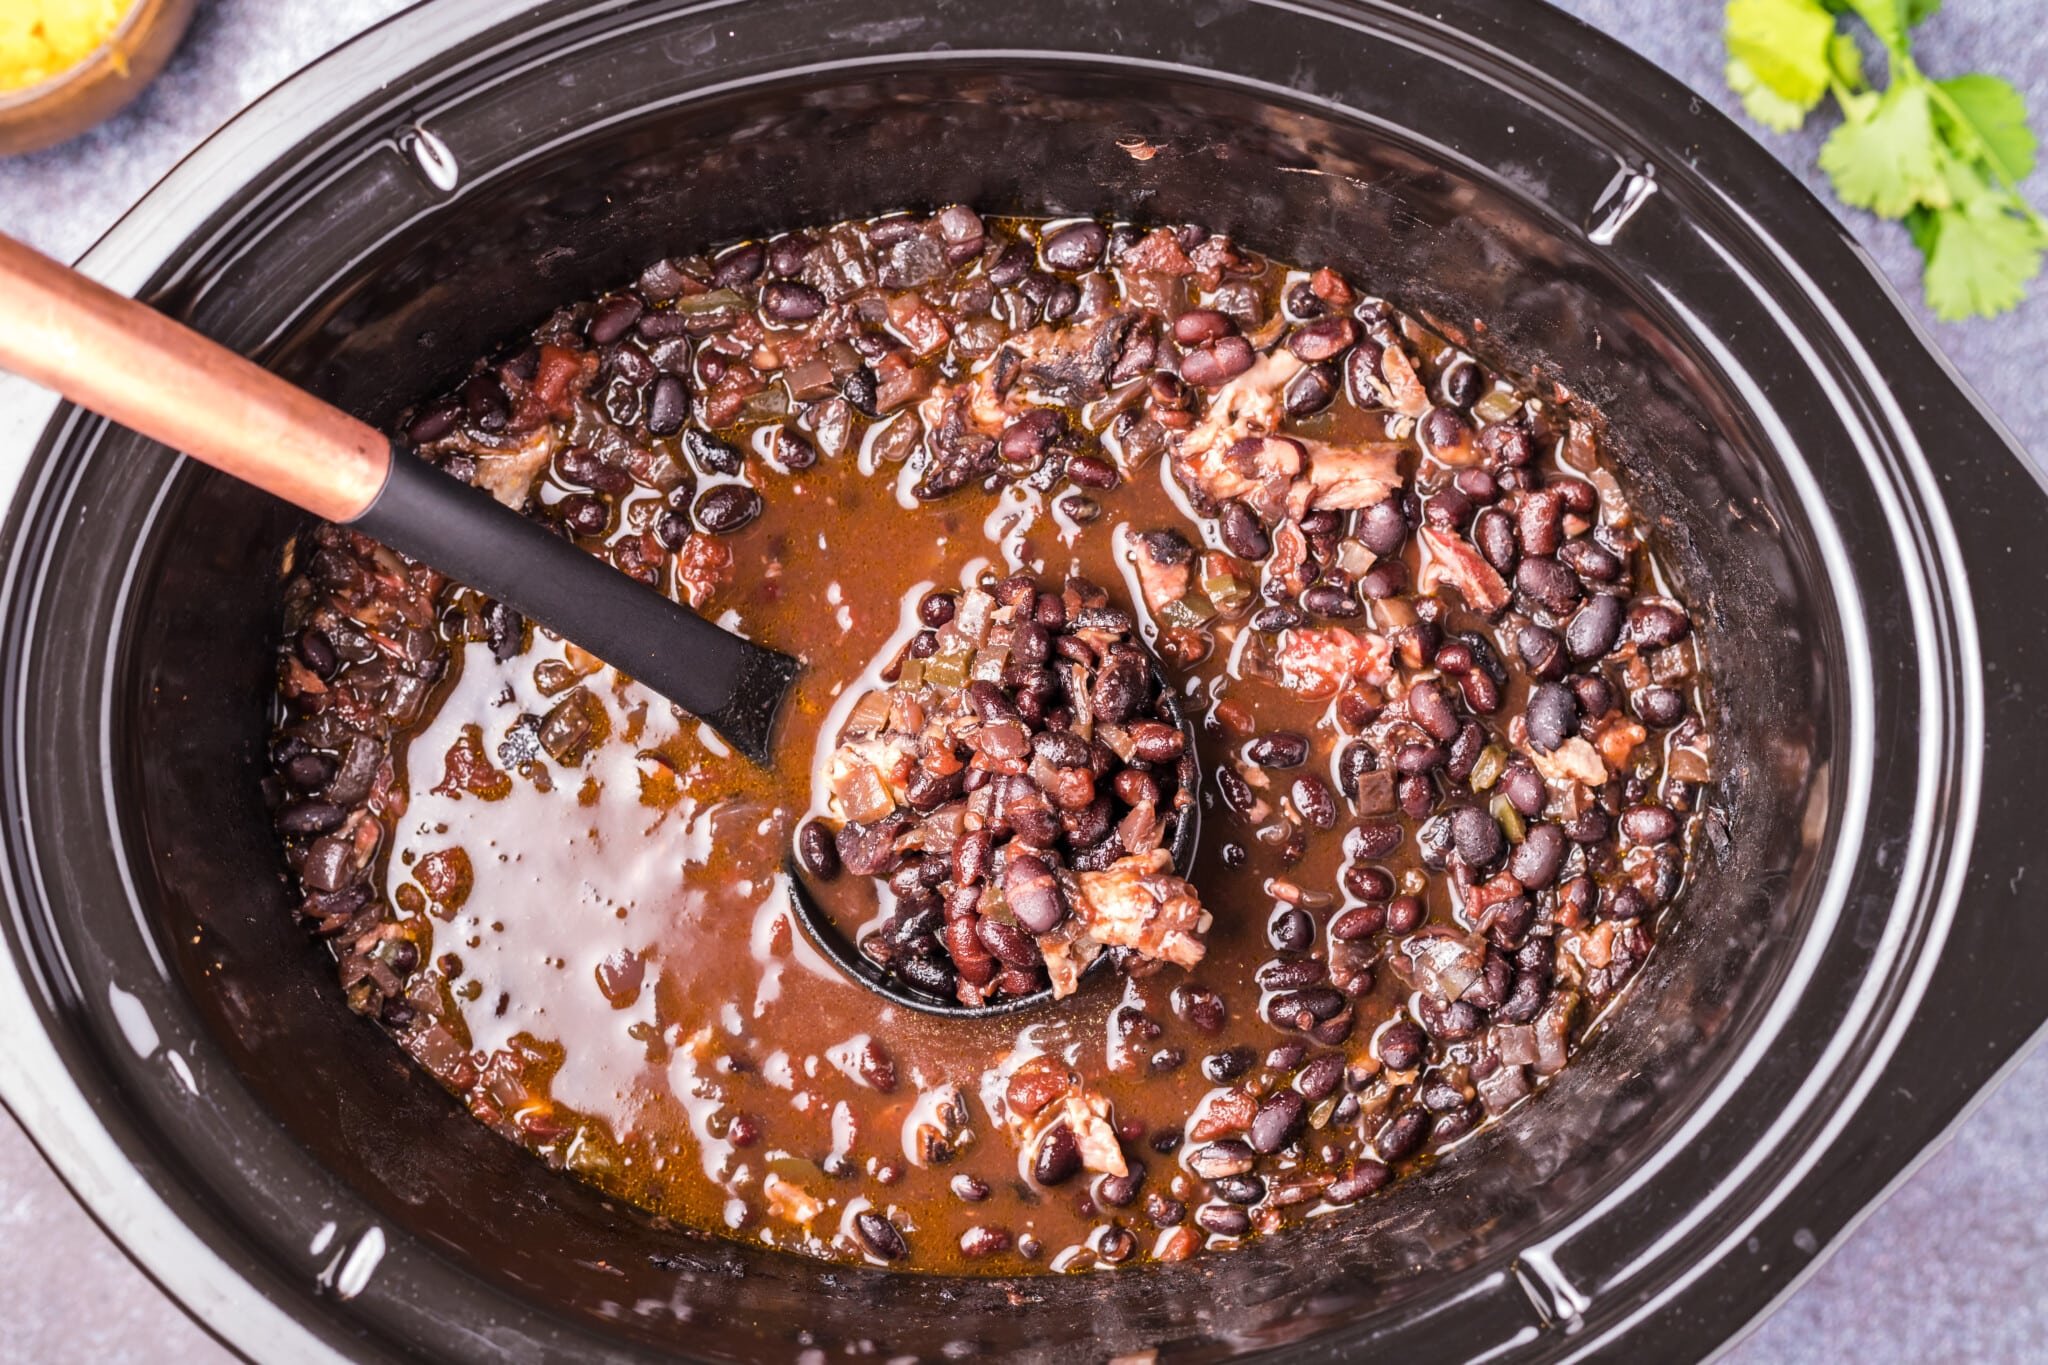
(1863,543)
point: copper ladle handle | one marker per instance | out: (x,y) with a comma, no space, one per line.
(128,362)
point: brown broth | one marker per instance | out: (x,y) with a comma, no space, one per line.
(617,984)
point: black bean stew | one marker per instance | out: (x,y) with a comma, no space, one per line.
(1451,750)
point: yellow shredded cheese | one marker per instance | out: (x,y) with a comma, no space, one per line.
(40,39)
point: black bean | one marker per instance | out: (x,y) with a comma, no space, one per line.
(1358,1180)
(1314,801)
(1240,1189)
(1494,533)
(1226,1066)
(1382,527)
(1523,786)
(740,265)
(1242,532)
(613,318)
(1401,1045)
(1553,715)
(311,817)
(1278,617)
(1292,974)
(1662,707)
(1478,837)
(1321,1077)
(936,608)
(1626,903)
(1595,693)
(1542,651)
(1545,583)
(1223,1220)
(1058,1159)
(1309,392)
(1331,601)
(1092,471)
(1033,894)
(1432,710)
(726,508)
(1461,383)
(1402,1134)
(1653,625)
(819,854)
(1589,560)
(711,454)
(880,1236)
(1281,1118)
(1648,824)
(1416,758)
(1292,931)
(668,405)
(1372,840)
(1215,363)
(1404,915)
(1198,325)
(1322,339)
(787,301)
(1279,749)
(1537,859)
(1121,1191)
(1383,580)
(1076,248)
(1595,628)
(584,513)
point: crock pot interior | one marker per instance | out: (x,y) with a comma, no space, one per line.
(379,316)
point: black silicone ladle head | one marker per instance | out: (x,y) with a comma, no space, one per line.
(730,683)
(826,936)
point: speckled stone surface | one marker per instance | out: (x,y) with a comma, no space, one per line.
(1954,1266)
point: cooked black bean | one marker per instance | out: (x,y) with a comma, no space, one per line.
(1662,707)
(1478,836)
(1653,625)
(726,508)
(1553,716)
(1058,1159)
(880,1236)
(1280,749)
(1537,859)
(311,817)
(786,302)
(1223,1220)
(1404,915)
(1076,248)
(1292,931)
(711,454)
(1214,363)
(1309,392)
(1648,824)
(1595,628)
(1383,527)
(1281,1118)
(1544,583)
(1243,533)
(815,847)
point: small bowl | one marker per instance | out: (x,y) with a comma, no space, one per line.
(80,96)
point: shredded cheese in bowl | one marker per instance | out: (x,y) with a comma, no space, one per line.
(40,39)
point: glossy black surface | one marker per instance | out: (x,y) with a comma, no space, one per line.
(1860,538)
(733,684)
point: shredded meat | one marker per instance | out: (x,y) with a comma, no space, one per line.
(1449,558)
(1138,903)
(1572,761)
(1224,456)
(508,475)
(1086,1115)
(1165,563)
(1317,661)
(1343,479)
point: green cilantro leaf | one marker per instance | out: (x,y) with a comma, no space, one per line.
(1996,114)
(1947,157)
(1979,259)
(1890,159)
(1784,45)
(1764,104)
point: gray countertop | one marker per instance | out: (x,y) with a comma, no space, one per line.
(1954,1265)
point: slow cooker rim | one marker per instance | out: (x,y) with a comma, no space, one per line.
(110,254)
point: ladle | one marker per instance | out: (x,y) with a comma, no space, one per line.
(131,364)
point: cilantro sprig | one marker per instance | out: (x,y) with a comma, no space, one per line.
(1946,156)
